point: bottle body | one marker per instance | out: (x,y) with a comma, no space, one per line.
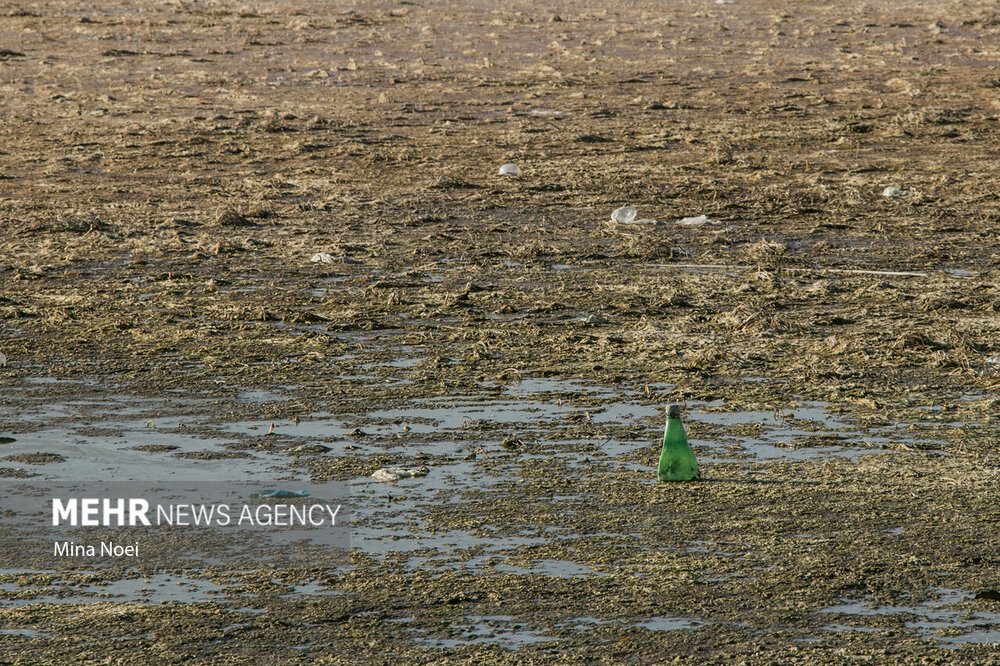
(677,461)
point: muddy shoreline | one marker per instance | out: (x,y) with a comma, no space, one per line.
(168,172)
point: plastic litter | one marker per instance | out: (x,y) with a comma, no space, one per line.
(277,492)
(510,169)
(993,360)
(894,192)
(3,360)
(593,319)
(397,473)
(699,221)
(324,258)
(624,215)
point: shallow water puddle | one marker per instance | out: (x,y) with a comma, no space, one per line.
(91,455)
(939,620)
(158,588)
(315,427)
(380,539)
(458,415)
(27,633)
(152,589)
(498,630)
(804,432)
(494,562)
(550,385)
(807,431)
(469,442)
(156,439)
(670,624)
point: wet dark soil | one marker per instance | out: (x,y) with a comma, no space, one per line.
(168,172)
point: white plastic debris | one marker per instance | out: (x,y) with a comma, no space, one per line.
(894,192)
(992,360)
(397,473)
(699,221)
(510,169)
(322,258)
(624,215)
(3,360)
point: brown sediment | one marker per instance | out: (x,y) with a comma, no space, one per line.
(168,171)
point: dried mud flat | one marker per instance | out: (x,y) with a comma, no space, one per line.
(167,171)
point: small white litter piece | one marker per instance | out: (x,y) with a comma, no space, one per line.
(699,221)
(397,473)
(510,169)
(894,192)
(624,215)
(992,360)
(322,258)
(3,360)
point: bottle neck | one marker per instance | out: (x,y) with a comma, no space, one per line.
(674,428)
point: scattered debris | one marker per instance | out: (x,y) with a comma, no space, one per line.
(324,258)
(894,192)
(698,221)
(3,360)
(397,473)
(988,595)
(993,360)
(593,320)
(624,215)
(627,215)
(510,169)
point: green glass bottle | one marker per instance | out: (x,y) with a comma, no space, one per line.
(677,461)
